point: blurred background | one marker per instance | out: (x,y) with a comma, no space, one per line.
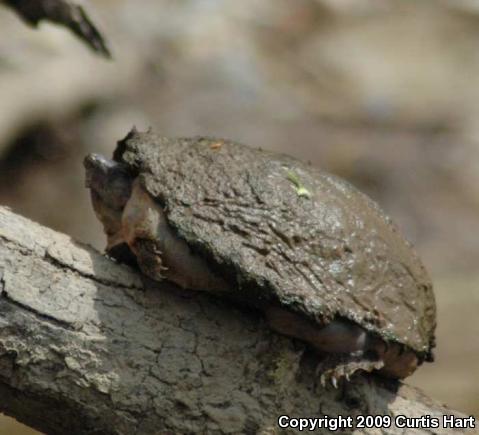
(384,93)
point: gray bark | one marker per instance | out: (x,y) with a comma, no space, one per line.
(87,347)
(63,12)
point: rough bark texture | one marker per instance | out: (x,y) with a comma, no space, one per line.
(86,347)
(66,13)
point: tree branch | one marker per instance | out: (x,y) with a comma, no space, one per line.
(65,13)
(87,348)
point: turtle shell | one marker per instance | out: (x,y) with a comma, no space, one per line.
(284,232)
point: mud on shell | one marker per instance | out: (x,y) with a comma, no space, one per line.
(320,258)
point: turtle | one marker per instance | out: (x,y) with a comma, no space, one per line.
(315,256)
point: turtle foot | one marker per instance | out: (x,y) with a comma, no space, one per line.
(336,367)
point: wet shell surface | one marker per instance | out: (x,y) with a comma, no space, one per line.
(285,233)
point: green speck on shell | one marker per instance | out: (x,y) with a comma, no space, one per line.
(300,188)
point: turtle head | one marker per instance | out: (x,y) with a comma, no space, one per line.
(110,180)
(138,230)
(110,185)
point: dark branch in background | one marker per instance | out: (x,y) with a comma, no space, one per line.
(65,13)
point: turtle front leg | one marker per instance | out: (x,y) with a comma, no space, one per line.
(149,258)
(160,252)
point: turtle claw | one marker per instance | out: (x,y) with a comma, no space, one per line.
(330,376)
(334,381)
(337,367)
